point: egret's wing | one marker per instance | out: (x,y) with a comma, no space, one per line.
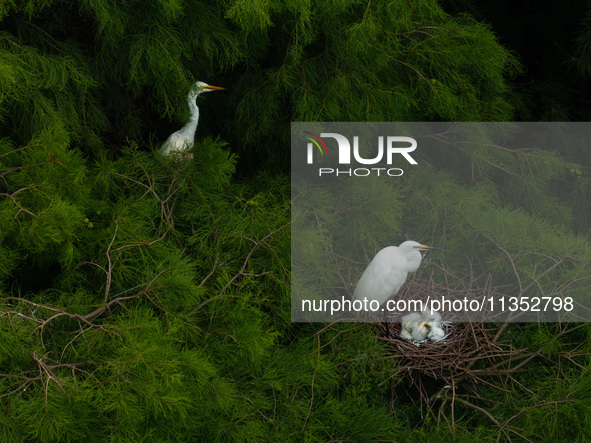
(175,144)
(383,277)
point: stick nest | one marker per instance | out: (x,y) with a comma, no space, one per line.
(464,345)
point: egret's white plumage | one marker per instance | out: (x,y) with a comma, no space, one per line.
(388,270)
(182,140)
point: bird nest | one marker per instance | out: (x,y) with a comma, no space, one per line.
(465,350)
(468,350)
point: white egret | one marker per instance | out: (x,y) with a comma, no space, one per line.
(388,270)
(182,140)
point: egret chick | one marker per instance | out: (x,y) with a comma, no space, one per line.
(431,316)
(418,331)
(406,334)
(409,320)
(414,328)
(407,325)
(436,333)
(182,140)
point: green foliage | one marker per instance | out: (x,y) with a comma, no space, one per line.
(145,298)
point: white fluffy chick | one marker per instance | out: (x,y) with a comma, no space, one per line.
(414,328)
(409,319)
(430,316)
(436,333)
(420,331)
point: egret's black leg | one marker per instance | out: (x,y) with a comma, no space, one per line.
(389,334)
(389,316)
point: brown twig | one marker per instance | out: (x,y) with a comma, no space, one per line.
(244,265)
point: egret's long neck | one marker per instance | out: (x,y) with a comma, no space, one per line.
(191,126)
(414,261)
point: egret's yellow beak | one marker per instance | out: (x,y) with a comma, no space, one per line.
(425,247)
(214,88)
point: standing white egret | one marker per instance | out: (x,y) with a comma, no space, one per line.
(388,270)
(182,140)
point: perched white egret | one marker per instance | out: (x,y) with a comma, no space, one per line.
(387,272)
(182,140)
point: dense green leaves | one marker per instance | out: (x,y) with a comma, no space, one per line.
(146,298)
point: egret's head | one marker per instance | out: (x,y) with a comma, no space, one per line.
(204,87)
(411,252)
(409,246)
